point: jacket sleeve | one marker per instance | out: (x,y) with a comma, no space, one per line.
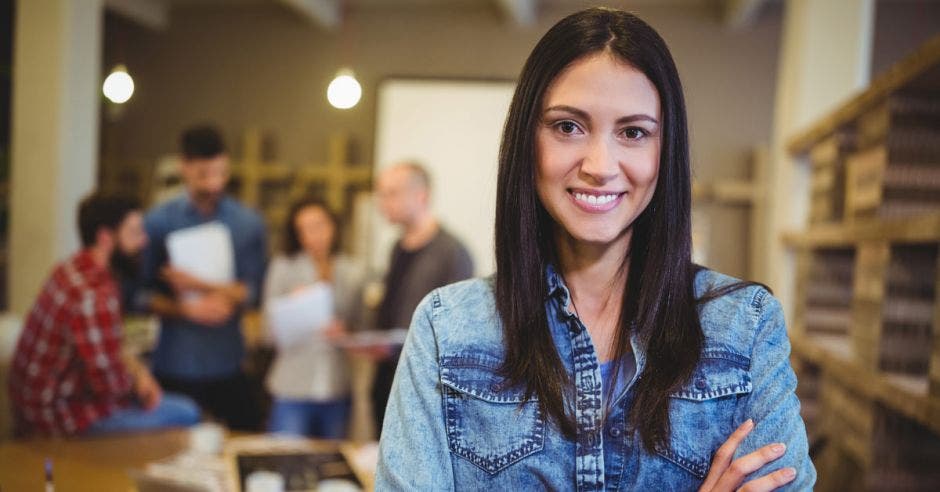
(772,403)
(413,452)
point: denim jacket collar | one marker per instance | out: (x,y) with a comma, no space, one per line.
(559,293)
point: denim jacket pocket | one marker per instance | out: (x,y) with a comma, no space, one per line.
(701,411)
(488,422)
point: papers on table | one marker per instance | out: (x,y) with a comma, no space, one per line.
(373,339)
(204,251)
(296,317)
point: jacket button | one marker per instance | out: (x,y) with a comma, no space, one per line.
(700,384)
(615,432)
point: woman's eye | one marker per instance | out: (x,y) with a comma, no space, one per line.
(567,127)
(634,133)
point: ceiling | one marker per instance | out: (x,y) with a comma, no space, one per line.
(327,13)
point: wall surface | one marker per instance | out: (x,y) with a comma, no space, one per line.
(262,65)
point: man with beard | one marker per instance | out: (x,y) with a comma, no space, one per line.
(200,348)
(69,375)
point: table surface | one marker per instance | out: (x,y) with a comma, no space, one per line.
(88,464)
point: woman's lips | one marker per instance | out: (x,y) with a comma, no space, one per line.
(596,201)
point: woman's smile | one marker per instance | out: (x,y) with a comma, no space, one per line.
(595,201)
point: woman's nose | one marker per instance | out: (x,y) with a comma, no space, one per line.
(600,161)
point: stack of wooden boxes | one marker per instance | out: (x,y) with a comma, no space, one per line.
(866,327)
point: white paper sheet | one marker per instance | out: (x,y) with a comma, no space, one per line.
(298,316)
(204,251)
(373,339)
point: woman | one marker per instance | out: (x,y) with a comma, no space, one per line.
(309,379)
(599,356)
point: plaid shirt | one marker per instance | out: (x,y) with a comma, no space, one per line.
(68,371)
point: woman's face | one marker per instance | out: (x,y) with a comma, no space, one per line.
(597,148)
(315,231)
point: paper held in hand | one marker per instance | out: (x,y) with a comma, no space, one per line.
(295,317)
(373,339)
(204,251)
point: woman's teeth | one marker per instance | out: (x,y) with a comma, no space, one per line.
(594,199)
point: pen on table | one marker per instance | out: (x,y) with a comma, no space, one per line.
(50,487)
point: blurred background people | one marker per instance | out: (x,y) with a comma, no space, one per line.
(70,374)
(426,256)
(201,347)
(310,380)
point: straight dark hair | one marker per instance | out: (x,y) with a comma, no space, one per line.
(292,239)
(658,300)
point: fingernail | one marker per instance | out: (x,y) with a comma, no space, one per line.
(748,424)
(778,448)
(789,473)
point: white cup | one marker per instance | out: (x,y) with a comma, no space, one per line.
(207,438)
(264,481)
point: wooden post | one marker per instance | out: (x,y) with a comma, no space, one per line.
(338,173)
(871,266)
(934,370)
(249,169)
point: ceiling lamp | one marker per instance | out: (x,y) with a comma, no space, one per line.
(344,91)
(118,86)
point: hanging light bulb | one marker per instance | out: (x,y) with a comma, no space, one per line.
(118,86)
(344,91)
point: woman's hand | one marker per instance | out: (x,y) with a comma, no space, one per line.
(726,475)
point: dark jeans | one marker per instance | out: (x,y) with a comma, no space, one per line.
(229,399)
(173,411)
(323,419)
(381,389)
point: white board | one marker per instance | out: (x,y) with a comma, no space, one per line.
(453,128)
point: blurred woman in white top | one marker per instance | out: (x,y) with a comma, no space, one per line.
(309,379)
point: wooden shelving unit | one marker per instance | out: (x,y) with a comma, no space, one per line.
(866,325)
(734,193)
(271,186)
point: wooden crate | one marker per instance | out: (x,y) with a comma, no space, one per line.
(909,307)
(828,292)
(874,391)
(906,455)
(896,171)
(828,178)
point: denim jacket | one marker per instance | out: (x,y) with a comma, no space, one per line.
(453,423)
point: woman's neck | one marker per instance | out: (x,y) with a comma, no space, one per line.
(324,265)
(596,276)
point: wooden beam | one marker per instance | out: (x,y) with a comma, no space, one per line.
(919,229)
(741,14)
(152,14)
(521,12)
(325,13)
(904,394)
(925,59)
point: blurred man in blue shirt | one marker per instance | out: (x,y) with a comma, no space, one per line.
(200,348)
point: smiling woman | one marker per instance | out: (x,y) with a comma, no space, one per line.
(599,357)
(598,147)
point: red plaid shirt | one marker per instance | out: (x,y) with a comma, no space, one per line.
(68,371)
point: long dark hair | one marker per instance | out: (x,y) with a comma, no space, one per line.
(291,242)
(658,301)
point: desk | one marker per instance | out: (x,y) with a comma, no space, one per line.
(90,464)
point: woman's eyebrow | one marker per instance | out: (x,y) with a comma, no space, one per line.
(569,109)
(580,113)
(637,117)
